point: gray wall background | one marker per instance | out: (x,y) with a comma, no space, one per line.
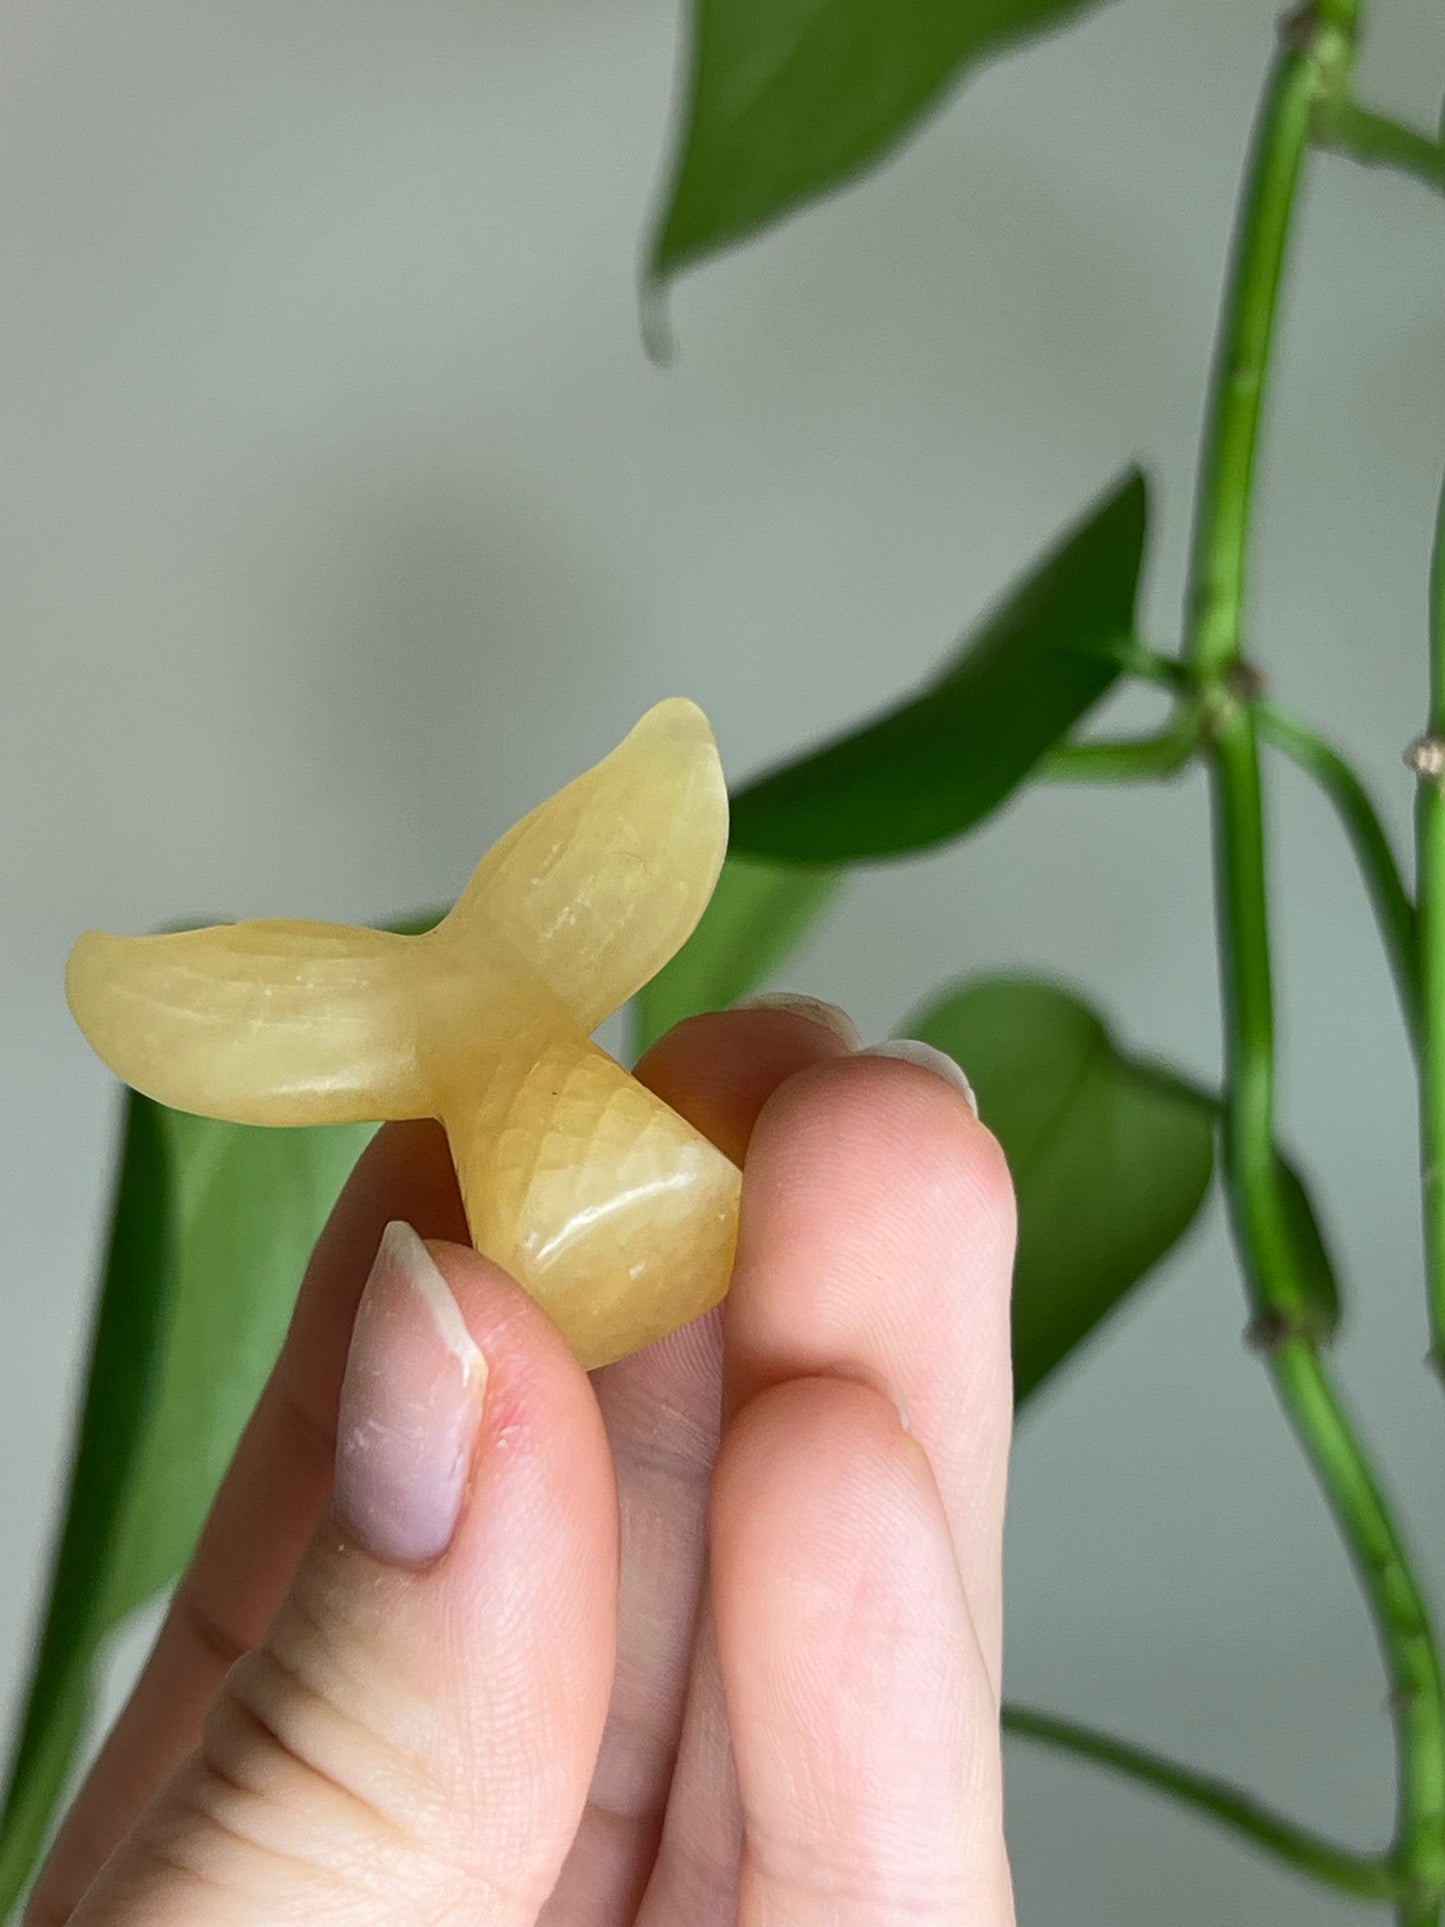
(341,518)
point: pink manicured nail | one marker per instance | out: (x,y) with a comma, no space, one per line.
(411,1404)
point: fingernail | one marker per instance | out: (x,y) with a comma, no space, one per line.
(813,1008)
(909,1050)
(411,1404)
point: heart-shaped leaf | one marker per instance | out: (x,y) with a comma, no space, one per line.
(1111,1155)
(757,913)
(942,762)
(787,99)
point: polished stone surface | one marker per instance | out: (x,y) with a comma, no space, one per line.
(613,1212)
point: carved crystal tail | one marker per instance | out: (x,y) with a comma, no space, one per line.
(309,1023)
(261,1023)
(611,1210)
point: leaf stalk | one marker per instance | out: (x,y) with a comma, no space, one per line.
(1370,1876)
(1127,759)
(1377,140)
(1370,841)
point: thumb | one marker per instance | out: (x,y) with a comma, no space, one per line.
(414,1738)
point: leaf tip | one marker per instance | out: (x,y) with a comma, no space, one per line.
(659,343)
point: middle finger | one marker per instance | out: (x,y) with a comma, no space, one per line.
(662,1411)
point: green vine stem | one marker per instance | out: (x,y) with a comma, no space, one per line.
(1215,598)
(1315,56)
(1371,1876)
(1374,853)
(1430,866)
(1344,127)
(1147,664)
(1128,759)
(1401,1618)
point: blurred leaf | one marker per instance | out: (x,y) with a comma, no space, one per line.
(757,914)
(121,1390)
(787,99)
(1111,1156)
(1314,1253)
(938,765)
(249,1204)
(211,1228)
(419,923)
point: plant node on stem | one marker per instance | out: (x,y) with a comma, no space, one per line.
(1270,1331)
(1245,683)
(1426,756)
(1299,28)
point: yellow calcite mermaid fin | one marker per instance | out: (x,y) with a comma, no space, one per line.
(614,1213)
(261,1023)
(605,882)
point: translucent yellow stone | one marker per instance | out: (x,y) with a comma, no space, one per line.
(617,1216)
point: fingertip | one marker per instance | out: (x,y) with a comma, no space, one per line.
(404,1173)
(718,1070)
(412,1400)
(502,1318)
(879,1142)
(883,1105)
(538,1398)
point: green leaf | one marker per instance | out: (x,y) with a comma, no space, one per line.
(121,1390)
(249,1205)
(941,763)
(787,99)
(211,1229)
(1313,1253)
(757,914)
(419,922)
(1111,1155)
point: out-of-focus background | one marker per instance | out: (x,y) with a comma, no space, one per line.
(342,518)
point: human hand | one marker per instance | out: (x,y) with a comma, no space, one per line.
(708,1638)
